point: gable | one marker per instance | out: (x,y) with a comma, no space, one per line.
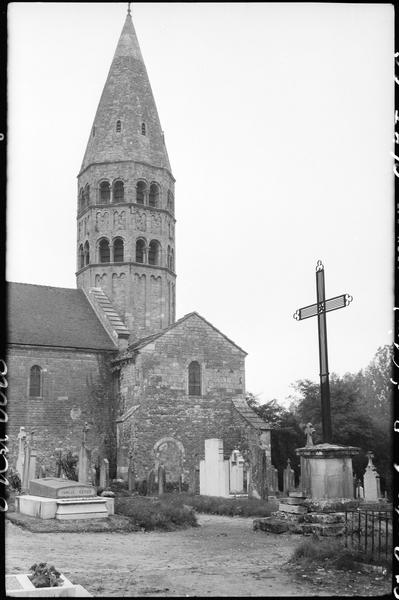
(50,316)
(190,323)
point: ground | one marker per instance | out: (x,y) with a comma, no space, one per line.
(222,557)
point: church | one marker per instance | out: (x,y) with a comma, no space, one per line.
(110,353)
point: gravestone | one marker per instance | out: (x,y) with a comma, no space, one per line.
(214,470)
(161,479)
(57,498)
(84,464)
(104,473)
(29,471)
(21,452)
(236,465)
(288,479)
(371,480)
(151,482)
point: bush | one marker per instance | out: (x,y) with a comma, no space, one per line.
(242,507)
(314,550)
(44,576)
(150,514)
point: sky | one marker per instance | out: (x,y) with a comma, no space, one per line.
(278,120)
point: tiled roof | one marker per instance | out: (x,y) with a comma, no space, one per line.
(249,415)
(147,340)
(51,316)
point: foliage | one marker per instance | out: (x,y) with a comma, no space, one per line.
(45,576)
(331,554)
(68,464)
(150,514)
(243,507)
(14,480)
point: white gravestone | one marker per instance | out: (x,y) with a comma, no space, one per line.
(371,480)
(104,473)
(214,470)
(21,452)
(236,464)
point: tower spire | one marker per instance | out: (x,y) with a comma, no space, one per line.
(128,8)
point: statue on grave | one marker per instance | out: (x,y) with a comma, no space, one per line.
(309,430)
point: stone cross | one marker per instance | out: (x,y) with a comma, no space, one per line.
(309,430)
(370,456)
(320,309)
(21,451)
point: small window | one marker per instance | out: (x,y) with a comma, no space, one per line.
(118,250)
(153,195)
(140,192)
(86,195)
(119,192)
(81,199)
(105,192)
(170,202)
(94,131)
(86,253)
(140,251)
(81,257)
(168,258)
(143,129)
(118,126)
(194,379)
(154,251)
(104,251)
(172,260)
(35,381)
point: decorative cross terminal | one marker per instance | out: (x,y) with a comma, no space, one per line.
(309,430)
(320,308)
(85,430)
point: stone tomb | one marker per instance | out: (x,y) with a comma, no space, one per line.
(56,498)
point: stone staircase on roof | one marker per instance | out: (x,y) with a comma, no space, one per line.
(108,316)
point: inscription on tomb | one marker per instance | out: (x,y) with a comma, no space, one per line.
(53,487)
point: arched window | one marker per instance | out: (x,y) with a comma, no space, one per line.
(168,258)
(87,195)
(170,202)
(119,192)
(86,253)
(118,126)
(194,379)
(104,251)
(118,250)
(35,381)
(81,199)
(140,251)
(143,129)
(172,260)
(153,197)
(154,252)
(140,192)
(105,192)
(81,257)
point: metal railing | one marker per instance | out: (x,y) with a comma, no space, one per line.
(369,530)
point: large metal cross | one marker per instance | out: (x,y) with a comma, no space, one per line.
(320,309)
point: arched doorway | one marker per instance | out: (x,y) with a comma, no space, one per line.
(169,453)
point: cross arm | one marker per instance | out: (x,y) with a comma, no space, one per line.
(322,307)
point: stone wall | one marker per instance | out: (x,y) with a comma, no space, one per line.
(76,387)
(155,381)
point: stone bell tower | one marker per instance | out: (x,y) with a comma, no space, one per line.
(125,213)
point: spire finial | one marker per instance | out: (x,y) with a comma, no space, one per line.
(128,8)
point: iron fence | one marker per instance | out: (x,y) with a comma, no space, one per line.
(368,529)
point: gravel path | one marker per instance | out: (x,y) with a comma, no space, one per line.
(222,557)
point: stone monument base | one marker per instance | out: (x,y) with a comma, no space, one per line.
(63,508)
(326,470)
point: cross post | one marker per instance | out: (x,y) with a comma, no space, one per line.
(320,309)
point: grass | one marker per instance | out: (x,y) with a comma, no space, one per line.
(331,553)
(231,507)
(155,513)
(113,523)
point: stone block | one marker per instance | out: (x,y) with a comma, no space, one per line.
(93,508)
(270,525)
(54,487)
(329,506)
(297,494)
(289,500)
(292,508)
(324,518)
(35,506)
(332,529)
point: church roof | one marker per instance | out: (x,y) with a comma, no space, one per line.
(147,340)
(50,316)
(242,406)
(127,97)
